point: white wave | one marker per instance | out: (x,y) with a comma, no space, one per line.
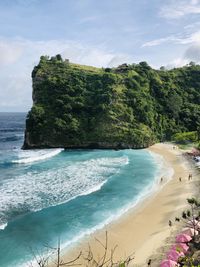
(93,189)
(37,190)
(164,170)
(36,155)
(3,226)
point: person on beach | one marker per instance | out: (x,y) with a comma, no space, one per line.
(180,179)
(170,223)
(149,262)
(161,179)
(190,176)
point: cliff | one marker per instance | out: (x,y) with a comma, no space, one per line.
(131,106)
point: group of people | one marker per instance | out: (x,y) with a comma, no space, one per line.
(180,178)
(189,177)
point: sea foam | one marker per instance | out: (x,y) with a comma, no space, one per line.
(37,190)
(36,155)
(3,226)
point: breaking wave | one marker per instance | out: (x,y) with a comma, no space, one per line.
(37,190)
(36,155)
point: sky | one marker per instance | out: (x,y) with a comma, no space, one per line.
(101,33)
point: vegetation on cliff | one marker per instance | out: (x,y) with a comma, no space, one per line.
(128,106)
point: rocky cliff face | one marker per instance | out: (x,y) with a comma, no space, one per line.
(77,106)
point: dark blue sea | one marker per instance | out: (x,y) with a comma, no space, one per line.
(52,193)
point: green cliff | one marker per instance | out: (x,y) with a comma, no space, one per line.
(131,106)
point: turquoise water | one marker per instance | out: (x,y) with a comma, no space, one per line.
(46,194)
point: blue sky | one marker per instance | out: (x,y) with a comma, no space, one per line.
(100,33)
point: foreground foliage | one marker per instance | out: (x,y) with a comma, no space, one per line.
(52,257)
(192,257)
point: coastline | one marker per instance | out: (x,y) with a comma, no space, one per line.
(144,228)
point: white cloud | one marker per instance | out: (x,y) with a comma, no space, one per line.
(193,53)
(119,59)
(179,8)
(16,50)
(18,57)
(177,62)
(9,53)
(158,41)
(192,26)
(175,39)
(193,38)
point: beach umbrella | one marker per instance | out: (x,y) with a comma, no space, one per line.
(183,238)
(168,263)
(189,231)
(174,255)
(194,224)
(181,247)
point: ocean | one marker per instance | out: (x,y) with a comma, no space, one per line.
(55,193)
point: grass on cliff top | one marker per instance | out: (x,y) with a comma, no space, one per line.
(86,68)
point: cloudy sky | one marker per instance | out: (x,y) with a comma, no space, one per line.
(100,33)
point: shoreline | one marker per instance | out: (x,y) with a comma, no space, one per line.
(144,228)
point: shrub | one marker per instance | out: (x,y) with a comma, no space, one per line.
(185,137)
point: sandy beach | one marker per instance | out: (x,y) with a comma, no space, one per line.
(144,230)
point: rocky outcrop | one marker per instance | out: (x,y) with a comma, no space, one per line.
(131,106)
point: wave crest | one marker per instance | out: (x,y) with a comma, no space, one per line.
(3,226)
(36,155)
